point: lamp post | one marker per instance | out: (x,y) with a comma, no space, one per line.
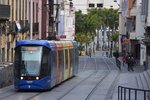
(120,24)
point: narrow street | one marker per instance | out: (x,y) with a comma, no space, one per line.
(98,79)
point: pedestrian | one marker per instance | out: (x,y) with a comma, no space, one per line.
(93,50)
(116,55)
(132,61)
(106,54)
(124,59)
(129,61)
(90,51)
(118,63)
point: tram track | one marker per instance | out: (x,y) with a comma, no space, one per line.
(99,82)
(96,71)
(32,97)
(95,87)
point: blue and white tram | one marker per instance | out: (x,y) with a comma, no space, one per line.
(43,64)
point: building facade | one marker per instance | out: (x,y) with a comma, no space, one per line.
(39,17)
(18,18)
(15,28)
(85,5)
(133,26)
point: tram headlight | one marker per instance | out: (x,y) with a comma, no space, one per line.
(21,78)
(37,78)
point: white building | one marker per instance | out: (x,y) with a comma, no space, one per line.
(84,5)
(132,28)
(66,24)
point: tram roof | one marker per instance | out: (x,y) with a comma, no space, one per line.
(33,42)
(46,43)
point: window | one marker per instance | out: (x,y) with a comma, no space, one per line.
(16,9)
(61,59)
(45,65)
(71,57)
(100,5)
(22,10)
(19,11)
(36,12)
(66,56)
(91,5)
(17,61)
(31,60)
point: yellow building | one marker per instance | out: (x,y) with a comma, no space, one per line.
(16,28)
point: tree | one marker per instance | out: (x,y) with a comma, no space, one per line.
(85,28)
(96,19)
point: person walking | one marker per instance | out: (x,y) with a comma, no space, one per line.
(132,62)
(124,59)
(128,61)
(116,55)
(90,52)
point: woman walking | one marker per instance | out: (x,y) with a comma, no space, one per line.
(124,59)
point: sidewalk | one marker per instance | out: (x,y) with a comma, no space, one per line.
(127,78)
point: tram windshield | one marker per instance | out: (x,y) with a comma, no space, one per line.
(30,60)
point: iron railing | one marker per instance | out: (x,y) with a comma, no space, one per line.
(126,93)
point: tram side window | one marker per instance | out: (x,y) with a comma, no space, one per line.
(17,61)
(45,66)
(66,56)
(53,59)
(71,57)
(61,61)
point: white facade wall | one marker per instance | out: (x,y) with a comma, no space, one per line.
(148,17)
(139,23)
(67,21)
(81,5)
(140,32)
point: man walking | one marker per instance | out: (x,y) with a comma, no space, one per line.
(130,62)
(116,55)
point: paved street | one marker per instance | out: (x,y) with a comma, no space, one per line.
(98,79)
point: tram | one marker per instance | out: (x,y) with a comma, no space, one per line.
(43,64)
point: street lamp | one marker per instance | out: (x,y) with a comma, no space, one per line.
(111,48)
